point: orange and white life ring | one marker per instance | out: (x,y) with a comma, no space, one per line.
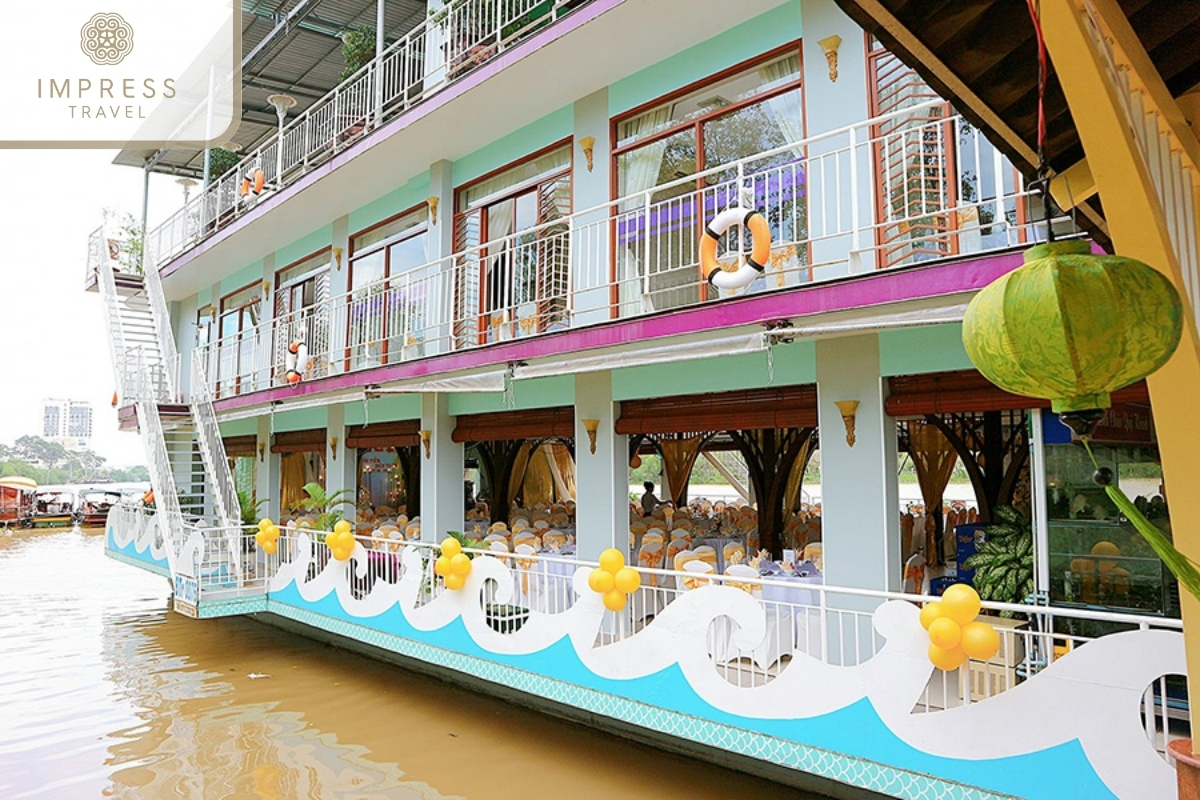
(253,181)
(744,275)
(297,361)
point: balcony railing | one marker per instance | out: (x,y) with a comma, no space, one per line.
(836,205)
(448,44)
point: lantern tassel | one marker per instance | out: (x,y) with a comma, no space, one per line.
(1182,567)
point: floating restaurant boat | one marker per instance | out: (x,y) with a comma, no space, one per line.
(16,501)
(749,234)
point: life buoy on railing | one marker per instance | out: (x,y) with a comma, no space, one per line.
(253,181)
(744,275)
(297,361)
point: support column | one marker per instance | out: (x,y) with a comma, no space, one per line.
(442,497)
(336,323)
(859,490)
(602,478)
(266,475)
(266,314)
(1137,223)
(440,245)
(591,187)
(341,471)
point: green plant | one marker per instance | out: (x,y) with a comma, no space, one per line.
(358,48)
(467,544)
(249,506)
(221,161)
(326,505)
(1004,564)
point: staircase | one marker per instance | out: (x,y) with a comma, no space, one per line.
(195,498)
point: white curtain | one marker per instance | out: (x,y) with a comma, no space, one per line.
(785,108)
(499,264)
(638,171)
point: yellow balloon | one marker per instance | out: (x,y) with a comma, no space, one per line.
(460,564)
(269,547)
(341,553)
(930,612)
(612,560)
(614,600)
(273,531)
(946,659)
(342,526)
(264,523)
(980,641)
(454,581)
(594,579)
(960,603)
(627,580)
(945,633)
(451,547)
(604,582)
(442,566)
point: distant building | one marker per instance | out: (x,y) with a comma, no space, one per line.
(68,422)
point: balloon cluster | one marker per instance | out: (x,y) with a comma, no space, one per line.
(954,635)
(267,536)
(613,579)
(453,564)
(341,541)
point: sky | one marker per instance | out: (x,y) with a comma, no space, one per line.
(52,337)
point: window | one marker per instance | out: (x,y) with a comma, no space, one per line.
(731,118)
(388,304)
(236,326)
(514,265)
(301,295)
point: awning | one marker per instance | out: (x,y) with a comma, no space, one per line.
(383,435)
(967,391)
(536,423)
(236,446)
(18,482)
(309,441)
(782,407)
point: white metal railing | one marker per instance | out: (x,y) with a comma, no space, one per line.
(828,623)
(639,254)
(446,45)
(97,252)
(212,447)
(162,479)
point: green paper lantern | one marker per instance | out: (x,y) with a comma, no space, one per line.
(1072,327)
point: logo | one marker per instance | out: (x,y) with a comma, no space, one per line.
(106,39)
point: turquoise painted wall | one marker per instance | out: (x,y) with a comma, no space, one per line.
(534,136)
(758,35)
(304,246)
(410,194)
(930,348)
(240,427)
(533,393)
(384,409)
(301,420)
(251,273)
(793,364)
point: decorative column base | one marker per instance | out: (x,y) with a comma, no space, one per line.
(1187,769)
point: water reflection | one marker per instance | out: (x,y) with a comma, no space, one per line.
(105,693)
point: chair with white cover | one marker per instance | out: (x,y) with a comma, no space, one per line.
(496,541)
(526,537)
(695,571)
(649,599)
(707,553)
(528,579)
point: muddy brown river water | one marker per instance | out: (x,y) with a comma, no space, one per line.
(104,693)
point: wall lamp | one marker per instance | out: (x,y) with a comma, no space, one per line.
(588,143)
(337,257)
(262,449)
(830,45)
(426,435)
(333,440)
(432,202)
(848,409)
(591,425)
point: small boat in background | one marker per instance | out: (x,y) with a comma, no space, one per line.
(16,501)
(95,503)
(54,508)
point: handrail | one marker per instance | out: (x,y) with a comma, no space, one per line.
(404,74)
(212,446)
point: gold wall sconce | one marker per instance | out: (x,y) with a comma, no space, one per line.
(337,258)
(432,202)
(266,287)
(848,409)
(262,449)
(426,435)
(588,143)
(591,425)
(333,446)
(830,45)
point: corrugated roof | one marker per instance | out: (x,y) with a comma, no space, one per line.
(303,58)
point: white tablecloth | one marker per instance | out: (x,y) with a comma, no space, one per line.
(792,589)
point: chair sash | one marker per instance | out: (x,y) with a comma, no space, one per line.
(651,557)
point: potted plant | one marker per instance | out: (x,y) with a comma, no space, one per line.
(1004,562)
(358,48)
(326,505)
